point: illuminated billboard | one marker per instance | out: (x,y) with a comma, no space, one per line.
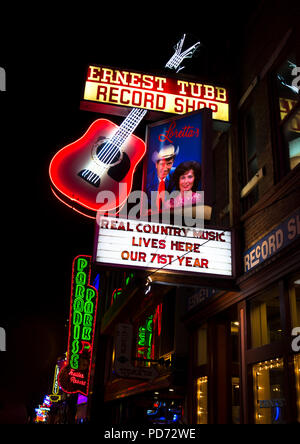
(75,374)
(155,246)
(154,93)
(178,161)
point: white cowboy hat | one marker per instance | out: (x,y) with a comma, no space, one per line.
(165,152)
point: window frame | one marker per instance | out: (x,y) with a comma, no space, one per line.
(281,160)
(279,349)
(252,197)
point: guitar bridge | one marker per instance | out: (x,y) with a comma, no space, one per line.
(90,177)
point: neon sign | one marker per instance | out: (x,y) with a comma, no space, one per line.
(154,93)
(74,376)
(148,334)
(145,339)
(104,158)
(55,396)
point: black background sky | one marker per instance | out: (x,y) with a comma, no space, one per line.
(45,56)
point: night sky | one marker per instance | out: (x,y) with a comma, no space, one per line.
(45,56)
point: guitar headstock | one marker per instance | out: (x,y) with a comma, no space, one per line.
(178,57)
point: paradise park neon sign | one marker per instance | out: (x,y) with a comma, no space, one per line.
(74,376)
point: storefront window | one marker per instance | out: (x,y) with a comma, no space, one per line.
(294,291)
(202,413)
(297,377)
(291,134)
(265,318)
(287,90)
(269,399)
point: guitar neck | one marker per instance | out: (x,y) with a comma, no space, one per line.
(127,127)
(137,114)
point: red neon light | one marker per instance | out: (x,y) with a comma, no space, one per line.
(156,328)
(117,291)
(71,206)
(157,318)
(67,164)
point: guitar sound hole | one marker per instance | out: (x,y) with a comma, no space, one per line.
(108,154)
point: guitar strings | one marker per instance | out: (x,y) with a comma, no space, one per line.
(115,142)
(121,134)
(111,147)
(112,143)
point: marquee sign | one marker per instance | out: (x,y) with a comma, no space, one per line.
(148,245)
(154,93)
(74,376)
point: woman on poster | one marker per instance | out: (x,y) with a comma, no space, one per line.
(186,178)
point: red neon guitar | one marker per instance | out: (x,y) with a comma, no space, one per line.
(103,159)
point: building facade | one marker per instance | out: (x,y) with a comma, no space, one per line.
(207,354)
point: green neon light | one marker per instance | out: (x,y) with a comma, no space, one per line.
(83,310)
(145,338)
(128,279)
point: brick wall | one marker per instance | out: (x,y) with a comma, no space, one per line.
(220,156)
(282,200)
(276,201)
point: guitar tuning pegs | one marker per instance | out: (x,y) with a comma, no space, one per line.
(180,68)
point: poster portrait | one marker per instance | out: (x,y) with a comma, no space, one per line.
(178,161)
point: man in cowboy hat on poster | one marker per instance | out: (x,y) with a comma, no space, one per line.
(161,179)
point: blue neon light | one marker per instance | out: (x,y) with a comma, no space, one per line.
(96,282)
(277,414)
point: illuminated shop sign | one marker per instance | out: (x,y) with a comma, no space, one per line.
(74,376)
(277,239)
(149,245)
(154,93)
(104,159)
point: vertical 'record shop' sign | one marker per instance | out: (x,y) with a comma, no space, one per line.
(74,376)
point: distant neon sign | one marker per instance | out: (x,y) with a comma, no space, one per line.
(145,339)
(55,396)
(74,376)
